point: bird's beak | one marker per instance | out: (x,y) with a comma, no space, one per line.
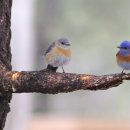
(67,44)
(121,47)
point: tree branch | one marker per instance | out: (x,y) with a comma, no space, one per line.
(52,83)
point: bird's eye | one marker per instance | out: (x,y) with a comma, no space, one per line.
(125,48)
(62,43)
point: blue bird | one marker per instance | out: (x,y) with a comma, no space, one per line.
(123,55)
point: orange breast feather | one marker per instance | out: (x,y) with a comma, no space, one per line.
(57,52)
(49,57)
(62,52)
(121,58)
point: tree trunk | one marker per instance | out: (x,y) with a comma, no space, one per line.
(5,55)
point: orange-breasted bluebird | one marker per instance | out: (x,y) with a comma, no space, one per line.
(58,54)
(123,55)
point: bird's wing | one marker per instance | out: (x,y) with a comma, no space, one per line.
(50,48)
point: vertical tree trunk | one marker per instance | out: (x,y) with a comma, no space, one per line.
(5,55)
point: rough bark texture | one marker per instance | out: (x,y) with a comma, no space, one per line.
(5,56)
(52,83)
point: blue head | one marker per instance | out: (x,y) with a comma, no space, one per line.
(125,48)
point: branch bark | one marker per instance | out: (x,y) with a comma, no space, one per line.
(52,83)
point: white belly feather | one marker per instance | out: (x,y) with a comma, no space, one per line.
(59,61)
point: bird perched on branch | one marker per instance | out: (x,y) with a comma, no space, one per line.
(123,55)
(58,54)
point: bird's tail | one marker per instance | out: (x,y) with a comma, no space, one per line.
(51,68)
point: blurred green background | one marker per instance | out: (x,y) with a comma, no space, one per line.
(95,28)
